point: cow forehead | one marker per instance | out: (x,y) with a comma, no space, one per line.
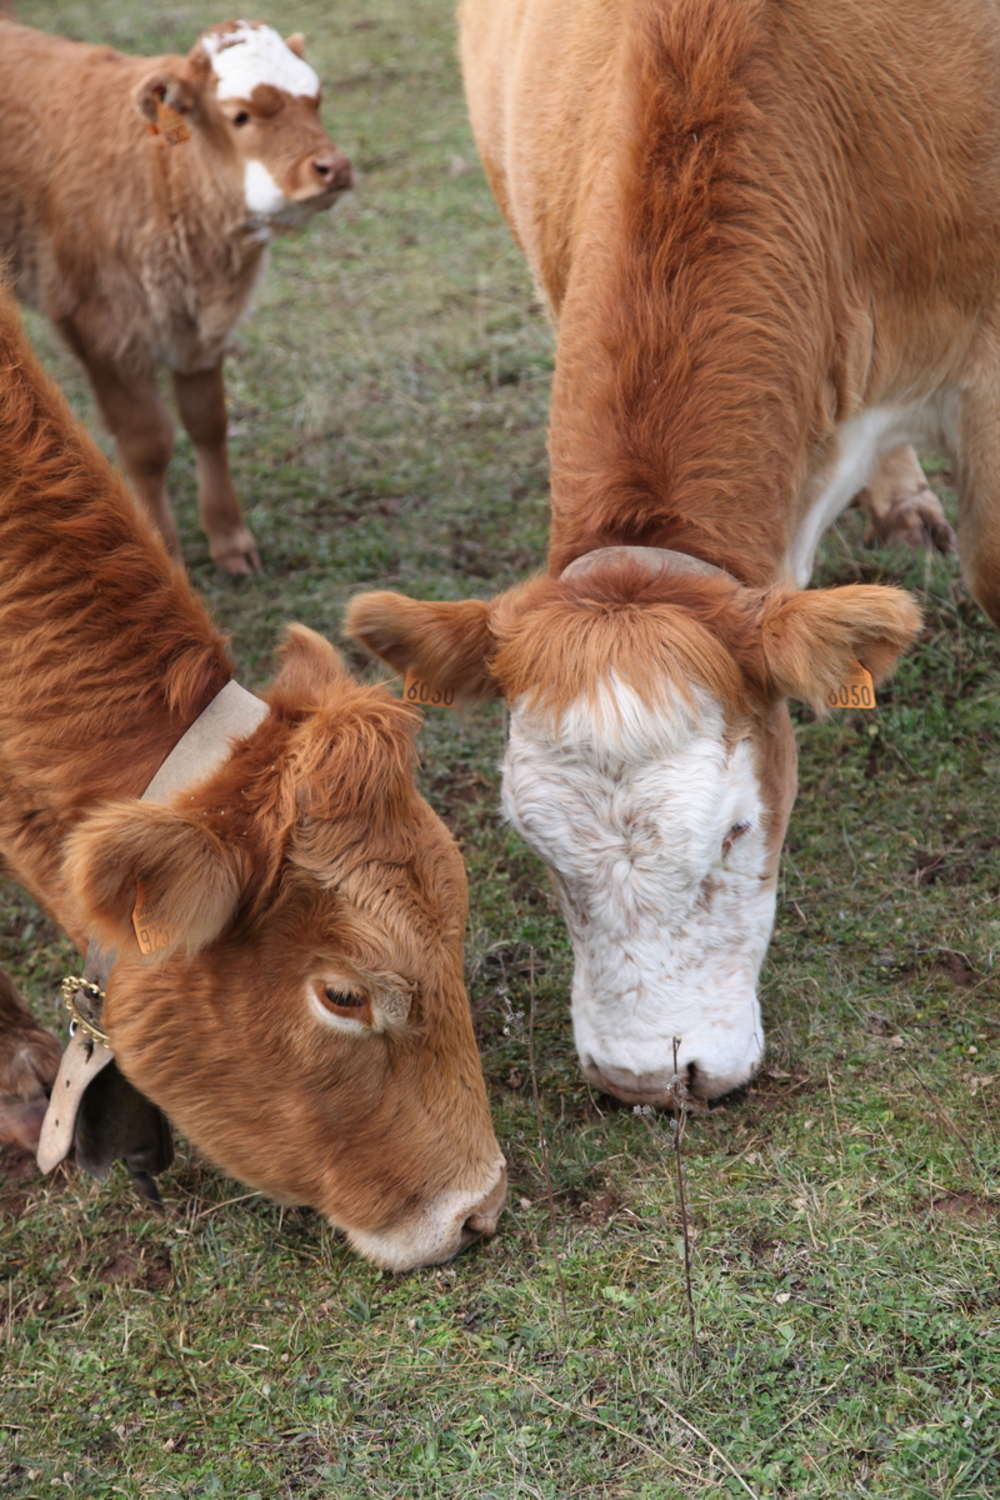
(249,55)
(647,806)
(617,724)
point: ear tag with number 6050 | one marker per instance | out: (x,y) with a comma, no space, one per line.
(855,689)
(422,695)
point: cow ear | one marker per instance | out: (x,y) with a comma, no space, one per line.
(163,867)
(811,637)
(309,667)
(448,645)
(296,43)
(168,87)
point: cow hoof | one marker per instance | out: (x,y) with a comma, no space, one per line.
(237,556)
(915,520)
(29,1063)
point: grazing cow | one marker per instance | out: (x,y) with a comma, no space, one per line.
(769,234)
(138,197)
(302,1015)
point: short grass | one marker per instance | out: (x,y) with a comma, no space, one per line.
(389,398)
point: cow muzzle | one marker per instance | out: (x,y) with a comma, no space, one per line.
(436,1231)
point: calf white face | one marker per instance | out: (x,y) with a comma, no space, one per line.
(269,97)
(655,826)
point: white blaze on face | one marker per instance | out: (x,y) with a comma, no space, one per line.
(249,55)
(631,806)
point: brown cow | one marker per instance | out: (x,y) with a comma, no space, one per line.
(137,200)
(773,259)
(306,1022)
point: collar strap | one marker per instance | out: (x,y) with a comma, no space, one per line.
(233,714)
(653,559)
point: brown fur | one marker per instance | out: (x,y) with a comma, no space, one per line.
(555,640)
(142,253)
(309,854)
(751,221)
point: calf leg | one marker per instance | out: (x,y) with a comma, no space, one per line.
(201,401)
(144,433)
(29,1061)
(902,507)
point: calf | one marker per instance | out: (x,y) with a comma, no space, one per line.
(137,200)
(301,1014)
(772,261)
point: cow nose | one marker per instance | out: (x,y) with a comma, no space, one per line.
(483,1218)
(334,171)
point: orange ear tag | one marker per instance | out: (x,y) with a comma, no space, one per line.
(855,690)
(420,693)
(170,124)
(150,935)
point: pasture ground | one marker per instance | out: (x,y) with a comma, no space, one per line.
(388,403)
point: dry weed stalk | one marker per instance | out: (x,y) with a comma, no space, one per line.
(679,1122)
(542,1142)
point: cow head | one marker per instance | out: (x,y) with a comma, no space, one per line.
(253,101)
(651,765)
(306,1022)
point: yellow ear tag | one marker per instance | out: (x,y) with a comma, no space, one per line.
(150,935)
(420,693)
(170,124)
(855,690)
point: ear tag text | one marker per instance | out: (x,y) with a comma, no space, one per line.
(170,124)
(855,689)
(422,695)
(150,935)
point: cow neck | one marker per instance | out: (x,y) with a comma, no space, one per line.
(204,747)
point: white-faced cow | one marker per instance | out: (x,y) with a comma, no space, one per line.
(137,200)
(769,236)
(302,1015)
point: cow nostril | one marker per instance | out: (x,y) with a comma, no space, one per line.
(334,170)
(483,1218)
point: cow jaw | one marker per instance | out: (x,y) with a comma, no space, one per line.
(656,828)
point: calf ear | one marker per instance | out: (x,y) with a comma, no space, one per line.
(448,645)
(296,43)
(164,87)
(811,637)
(309,666)
(187,880)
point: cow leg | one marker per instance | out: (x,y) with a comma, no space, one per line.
(201,401)
(29,1061)
(901,506)
(979,494)
(142,428)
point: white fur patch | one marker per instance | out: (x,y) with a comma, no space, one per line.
(262,193)
(861,443)
(250,55)
(669,927)
(431,1234)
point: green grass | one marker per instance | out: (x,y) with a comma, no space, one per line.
(389,396)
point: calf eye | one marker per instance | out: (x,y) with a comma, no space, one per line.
(243,118)
(736,832)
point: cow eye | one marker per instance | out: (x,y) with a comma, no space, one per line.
(736,832)
(242,118)
(352,1004)
(342,999)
